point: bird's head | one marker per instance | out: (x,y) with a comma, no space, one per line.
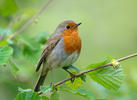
(67,27)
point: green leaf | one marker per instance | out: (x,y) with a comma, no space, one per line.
(3,43)
(17,51)
(45,89)
(32,49)
(8,7)
(54,96)
(107,77)
(5,53)
(83,77)
(29,42)
(80,92)
(8,32)
(31,55)
(106,60)
(74,85)
(41,37)
(44,98)
(24,90)
(28,94)
(13,67)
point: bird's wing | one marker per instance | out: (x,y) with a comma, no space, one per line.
(51,43)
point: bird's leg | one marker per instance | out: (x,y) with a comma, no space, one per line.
(51,78)
(71,74)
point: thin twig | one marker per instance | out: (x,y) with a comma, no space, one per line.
(90,70)
(30,21)
(9,26)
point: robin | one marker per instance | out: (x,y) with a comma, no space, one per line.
(61,50)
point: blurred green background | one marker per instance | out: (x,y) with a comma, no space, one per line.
(109,28)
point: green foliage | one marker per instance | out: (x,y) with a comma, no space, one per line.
(54,96)
(3,43)
(109,40)
(44,98)
(8,32)
(17,50)
(107,77)
(5,33)
(29,42)
(41,37)
(106,60)
(31,55)
(76,84)
(13,67)
(45,89)
(77,80)
(28,94)
(81,92)
(83,77)
(5,53)
(32,49)
(8,7)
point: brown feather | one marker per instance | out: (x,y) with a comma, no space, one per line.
(51,43)
(41,80)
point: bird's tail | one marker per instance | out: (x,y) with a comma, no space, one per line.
(41,80)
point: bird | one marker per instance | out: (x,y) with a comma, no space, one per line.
(61,50)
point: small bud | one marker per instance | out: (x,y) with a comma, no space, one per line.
(36,21)
(115,64)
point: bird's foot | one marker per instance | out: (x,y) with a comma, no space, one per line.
(72,77)
(71,74)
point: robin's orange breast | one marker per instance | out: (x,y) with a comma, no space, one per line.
(72,43)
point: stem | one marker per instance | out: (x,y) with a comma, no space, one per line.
(9,26)
(90,70)
(30,21)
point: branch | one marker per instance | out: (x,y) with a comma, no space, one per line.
(93,69)
(30,21)
(9,26)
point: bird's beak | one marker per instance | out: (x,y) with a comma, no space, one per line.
(78,24)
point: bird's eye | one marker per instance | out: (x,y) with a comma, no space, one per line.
(68,27)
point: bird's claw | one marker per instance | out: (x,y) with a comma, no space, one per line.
(72,77)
